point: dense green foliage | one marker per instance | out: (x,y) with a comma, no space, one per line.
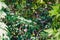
(32,19)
